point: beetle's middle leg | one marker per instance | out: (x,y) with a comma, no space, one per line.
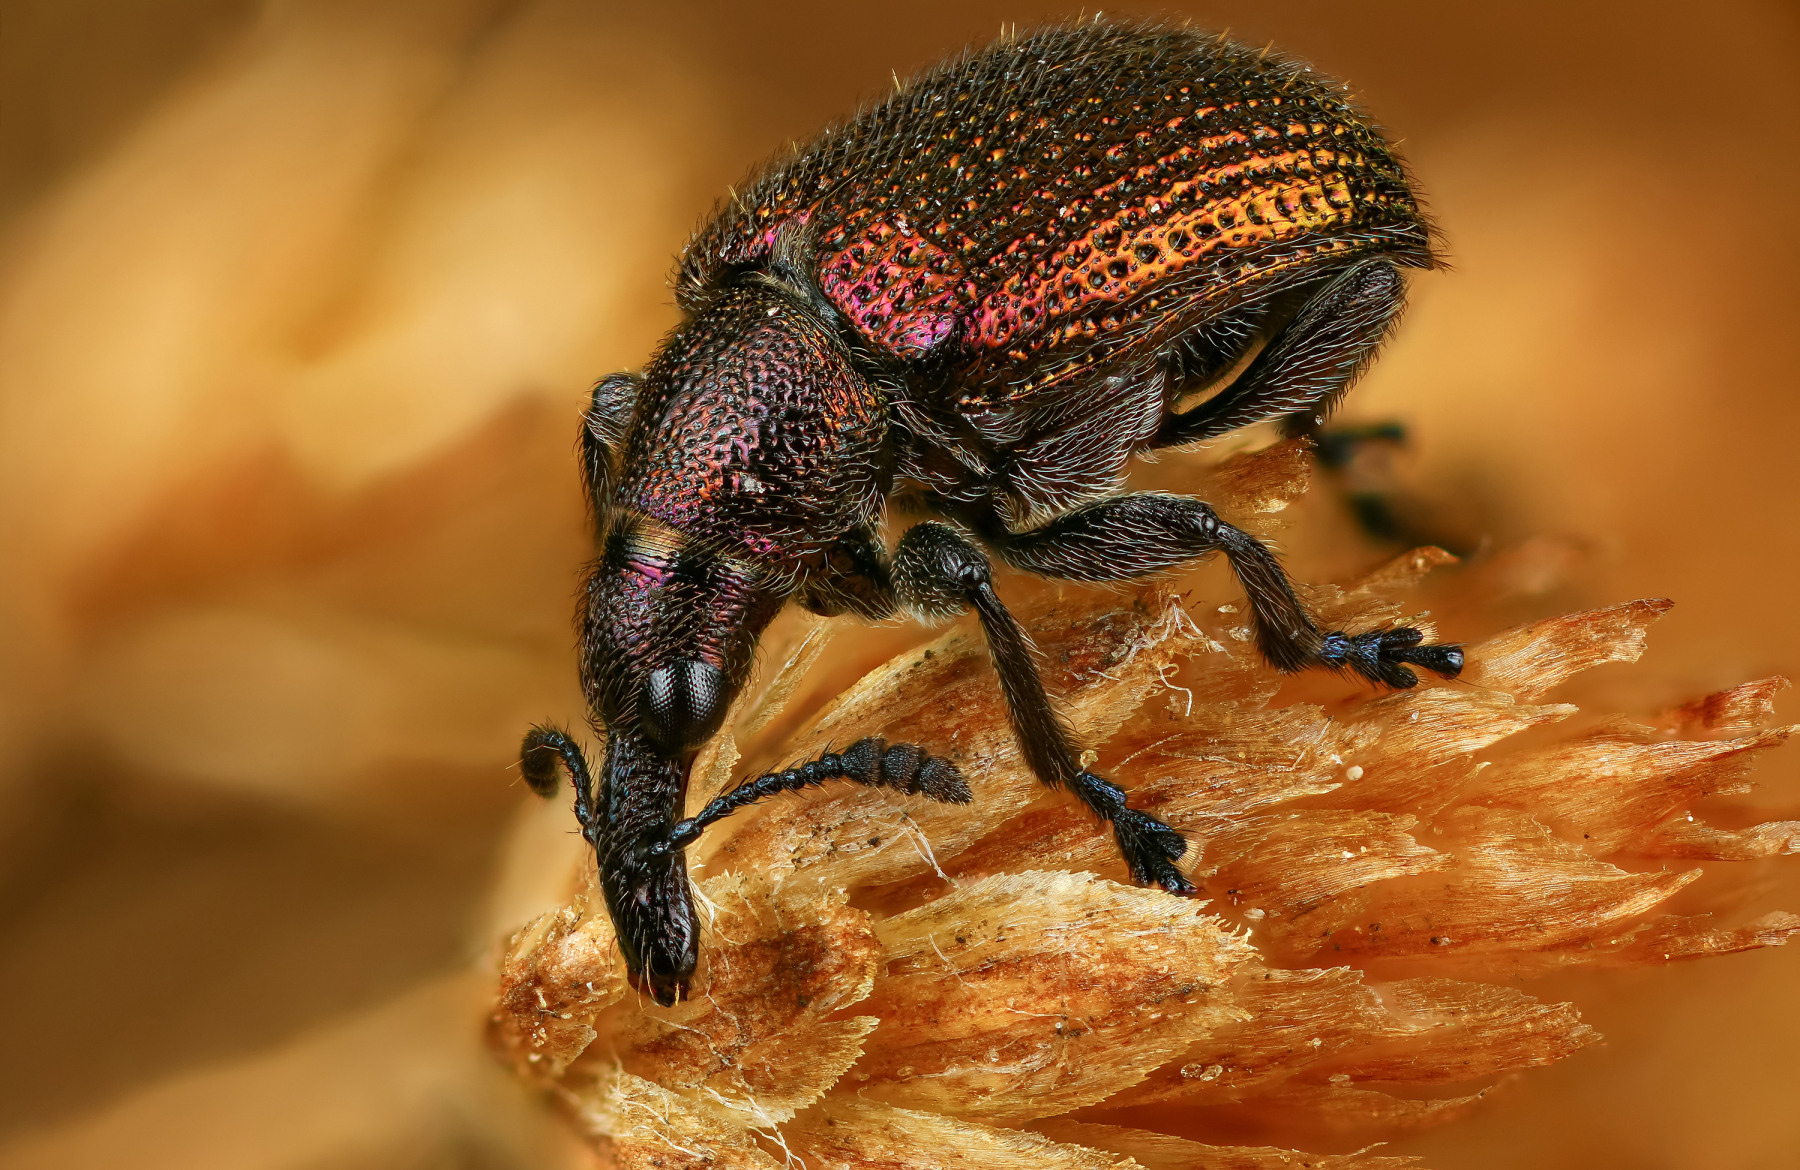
(1148,532)
(938,573)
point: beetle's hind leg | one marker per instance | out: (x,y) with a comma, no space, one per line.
(1309,364)
(1301,373)
(1149,532)
(1291,640)
(937,572)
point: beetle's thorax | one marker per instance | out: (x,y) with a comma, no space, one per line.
(755,446)
(755,432)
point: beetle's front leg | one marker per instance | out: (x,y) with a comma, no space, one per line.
(1148,532)
(603,430)
(938,573)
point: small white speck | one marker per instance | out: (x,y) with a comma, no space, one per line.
(1255,913)
(1348,855)
(1353,772)
(774,311)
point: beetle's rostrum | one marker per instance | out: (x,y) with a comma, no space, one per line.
(983,295)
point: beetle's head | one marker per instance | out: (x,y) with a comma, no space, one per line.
(670,634)
(669,638)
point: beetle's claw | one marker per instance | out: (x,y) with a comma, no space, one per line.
(1445,659)
(1151,850)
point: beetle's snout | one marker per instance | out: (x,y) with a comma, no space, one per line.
(682,704)
(665,975)
(653,917)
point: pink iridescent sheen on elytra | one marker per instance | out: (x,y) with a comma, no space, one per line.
(903,291)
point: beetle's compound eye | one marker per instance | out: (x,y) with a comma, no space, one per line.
(682,704)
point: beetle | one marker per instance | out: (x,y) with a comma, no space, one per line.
(981,297)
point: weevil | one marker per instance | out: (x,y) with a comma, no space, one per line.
(981,297)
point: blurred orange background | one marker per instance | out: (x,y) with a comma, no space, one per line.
(299,302)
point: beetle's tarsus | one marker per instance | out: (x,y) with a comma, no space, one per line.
(1151,849)
(1336,447)
(1377,655)
(1443,658)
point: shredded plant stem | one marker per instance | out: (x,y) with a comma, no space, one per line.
(890,982)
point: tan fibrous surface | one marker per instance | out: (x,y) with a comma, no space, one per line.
(890,982)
